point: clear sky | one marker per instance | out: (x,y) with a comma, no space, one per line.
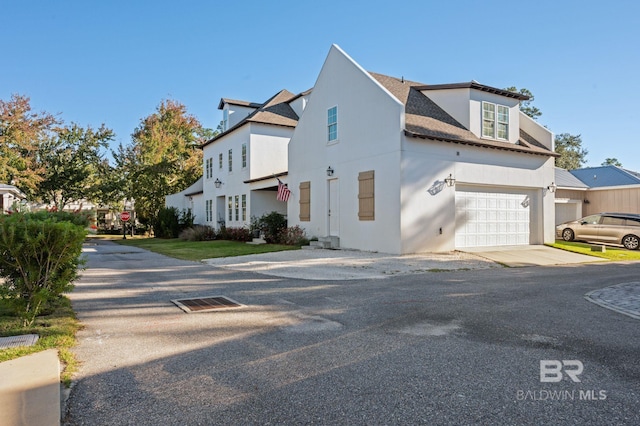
(114,61)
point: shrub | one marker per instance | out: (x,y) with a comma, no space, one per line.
(234,234)
(272,225)
(198,233)
(39,260)
(167,223)
(80,219)
(293,236)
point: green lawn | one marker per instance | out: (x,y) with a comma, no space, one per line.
(611,253)
(198,250)
(56,328)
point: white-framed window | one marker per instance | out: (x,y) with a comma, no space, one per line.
(230,208)
(225,119)
(237,208)
(244,207)
(209,168)
(332,124)
(230,160)
(209,210)
(220,161)
(244,155)
(495,121)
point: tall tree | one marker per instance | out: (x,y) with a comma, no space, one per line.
(165,157)
(611,162)
(22,134)
(572,154)
(73,160)
(526,106)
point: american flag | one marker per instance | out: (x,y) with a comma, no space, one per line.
(283,191)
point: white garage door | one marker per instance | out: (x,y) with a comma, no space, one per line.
(491,219)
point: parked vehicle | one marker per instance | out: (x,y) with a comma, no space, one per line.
(614,228)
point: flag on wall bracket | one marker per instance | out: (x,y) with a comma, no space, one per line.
(283,191)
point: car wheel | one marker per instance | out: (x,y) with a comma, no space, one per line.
(567,235)
(631,242)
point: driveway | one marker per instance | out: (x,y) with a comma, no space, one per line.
(350,264)
(457,347)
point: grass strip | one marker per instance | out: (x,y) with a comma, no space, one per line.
(56,327)
(199,250)
(610,253)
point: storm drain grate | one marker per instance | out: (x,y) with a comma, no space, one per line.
(15,341)
(205,304)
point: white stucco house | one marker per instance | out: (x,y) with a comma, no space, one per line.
(242,165)
(390,165)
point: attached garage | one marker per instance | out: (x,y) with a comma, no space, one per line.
(487,217)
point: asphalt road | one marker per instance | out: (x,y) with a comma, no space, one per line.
(456,348)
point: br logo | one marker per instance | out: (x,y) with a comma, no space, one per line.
(551,370)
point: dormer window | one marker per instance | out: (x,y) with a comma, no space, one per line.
(495,121)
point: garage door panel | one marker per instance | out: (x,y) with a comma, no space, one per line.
(491,218)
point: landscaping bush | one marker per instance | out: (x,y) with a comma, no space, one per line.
(234,234)
(170,222)
(39,260)
(271,225)
(293,236)
(198,233)
(80,219)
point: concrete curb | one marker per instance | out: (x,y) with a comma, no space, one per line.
(30,390)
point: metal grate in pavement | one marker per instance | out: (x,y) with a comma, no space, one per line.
(206,304)
(15,341)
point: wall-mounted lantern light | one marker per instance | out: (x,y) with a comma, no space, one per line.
(217,183)
(552,188)
(450,181)
(329,171)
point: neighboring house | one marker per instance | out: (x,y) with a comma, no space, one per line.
(243,163)
(570,196)
(596,190)
(191,199)
(9,195)
(386,164)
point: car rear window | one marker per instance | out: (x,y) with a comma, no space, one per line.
(633,222)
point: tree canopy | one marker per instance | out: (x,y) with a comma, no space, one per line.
(22,134)
(572,154)
(526,106)
(49,161)
(611,162)
(163,158)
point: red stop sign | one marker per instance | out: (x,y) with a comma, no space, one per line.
(125,216)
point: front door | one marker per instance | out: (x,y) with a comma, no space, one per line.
(333,209)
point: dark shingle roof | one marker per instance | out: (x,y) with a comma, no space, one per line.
(275,111)
(425,119)
(237,102)
(596,177)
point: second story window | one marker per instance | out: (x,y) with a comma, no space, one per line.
(230,160)
(220,161)
(225,120)
(244,155)
(209,168)
(495,121)
(332,123)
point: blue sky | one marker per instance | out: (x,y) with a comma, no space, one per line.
(113,62)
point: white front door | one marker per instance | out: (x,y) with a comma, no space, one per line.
(333,209)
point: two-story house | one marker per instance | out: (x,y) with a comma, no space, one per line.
(243,163)
(385,164)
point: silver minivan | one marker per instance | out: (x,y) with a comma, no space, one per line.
(614,228)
